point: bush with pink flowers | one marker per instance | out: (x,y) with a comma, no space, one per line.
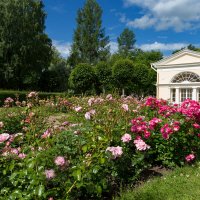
(83,148)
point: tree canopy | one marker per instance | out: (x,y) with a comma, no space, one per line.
(89,42)
(25,50)
(126,41)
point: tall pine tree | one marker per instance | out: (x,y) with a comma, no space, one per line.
(25,50)
(90,44)
(126,41)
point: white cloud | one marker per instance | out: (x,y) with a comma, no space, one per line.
(113,47)
(62,47)
(142,23)
(179,15)
(162,46)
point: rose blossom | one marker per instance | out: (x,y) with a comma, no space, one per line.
(22,155)
(32,94)
(14,151)
(190,157)
(91,101)
(116,151)
(46,134)
(78,109)
(87,115)
(125,107)
(126,137)
(1,124)
(141,145)
(4,137)
(197,126)
(59,161)
(176,128)
(50,173)
(109,97)
(92,112)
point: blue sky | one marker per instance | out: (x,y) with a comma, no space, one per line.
(164,25)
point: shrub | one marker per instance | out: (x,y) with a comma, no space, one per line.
(123,71)
(104,143)
(82,78)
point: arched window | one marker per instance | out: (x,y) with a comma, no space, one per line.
(186,77)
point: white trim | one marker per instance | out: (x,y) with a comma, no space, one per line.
(185,68)
(176,55)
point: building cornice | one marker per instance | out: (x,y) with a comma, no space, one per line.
(178,65)
(179,84)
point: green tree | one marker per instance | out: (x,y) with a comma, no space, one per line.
(190,47)
(55,78)
(146,57)
(25,50)
(126,41)
(144,80)
(104,75)
(82,78)
(123,74)
(90,44)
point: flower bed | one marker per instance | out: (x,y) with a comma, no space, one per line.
(92,145)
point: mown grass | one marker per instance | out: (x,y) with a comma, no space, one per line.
(180,184)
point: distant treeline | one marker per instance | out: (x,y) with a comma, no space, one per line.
(28,61)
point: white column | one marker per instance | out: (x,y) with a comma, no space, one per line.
(194,93)
(177,95)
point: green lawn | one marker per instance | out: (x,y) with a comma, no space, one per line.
(181,184)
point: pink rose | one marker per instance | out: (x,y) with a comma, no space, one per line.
(92,112)
(46,134)
(126,137)
(197,126)
(78,109)
(109,97)
(59,161)
(14,151)
(22,155)
(141,145)
(176,128)
(125,107)
(116,151)
(1,124)
(190,157)
(50,173)
(88,115)
(4,137)
(91,101)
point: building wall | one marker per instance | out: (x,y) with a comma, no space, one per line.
(166,75)
(163,92)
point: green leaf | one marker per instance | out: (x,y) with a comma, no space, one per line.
(84,148)
(40,190)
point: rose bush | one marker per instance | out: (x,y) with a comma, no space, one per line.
(86,148)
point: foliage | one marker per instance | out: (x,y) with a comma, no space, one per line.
(82,78)
(123,73)
(96,146)
(90,44)
(144,80)
(190,47)
(126,41)
(25,50)
(55,78)
(146,57)
(104,75)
